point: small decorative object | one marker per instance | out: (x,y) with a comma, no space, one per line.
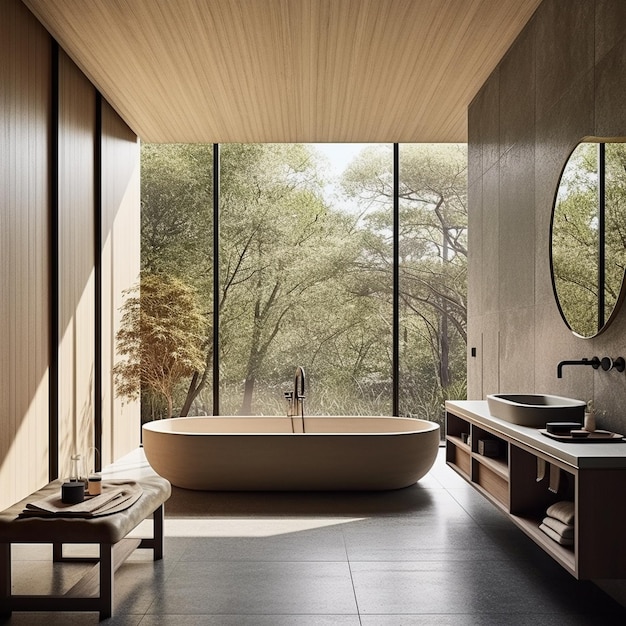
(488,447)
(73,492)
(76,470)
(562,428)
(579,433)
(95,485)
(590,418)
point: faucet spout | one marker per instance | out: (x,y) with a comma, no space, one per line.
(298,392)
(594,362)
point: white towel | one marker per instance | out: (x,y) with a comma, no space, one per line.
(563,511)
(555,536)
(564,530)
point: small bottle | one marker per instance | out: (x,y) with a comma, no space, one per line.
(95,484)
(76,469)
(590,418)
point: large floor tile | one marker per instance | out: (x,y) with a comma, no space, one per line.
(479,508)
(474,587)
(418,540)
(251,620)
(73,618)
(256,588)
(323,544)
(563,619)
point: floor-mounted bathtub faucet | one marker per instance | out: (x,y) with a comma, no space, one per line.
(295,398)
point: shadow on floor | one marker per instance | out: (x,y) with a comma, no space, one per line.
(185,502)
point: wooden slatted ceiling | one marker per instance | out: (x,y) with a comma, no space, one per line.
(288,70)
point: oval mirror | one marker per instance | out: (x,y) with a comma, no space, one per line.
(588,237)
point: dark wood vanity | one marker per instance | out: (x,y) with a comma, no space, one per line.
(592,475)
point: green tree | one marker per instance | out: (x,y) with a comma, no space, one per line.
(306,280)
(161,336)
(433,259)
(274,222)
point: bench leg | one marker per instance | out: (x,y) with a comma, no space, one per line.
(158,533)
(5,579)
(156,542)
(107,570)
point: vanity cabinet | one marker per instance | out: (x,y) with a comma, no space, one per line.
(514,466)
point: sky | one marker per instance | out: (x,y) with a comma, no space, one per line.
(340,154)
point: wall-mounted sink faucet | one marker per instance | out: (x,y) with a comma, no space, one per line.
(606,363)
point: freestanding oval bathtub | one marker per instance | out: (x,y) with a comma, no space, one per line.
(263,454)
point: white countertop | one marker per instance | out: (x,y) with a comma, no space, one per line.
(578,455)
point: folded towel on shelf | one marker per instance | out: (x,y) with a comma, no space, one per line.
(562,511)
(564,530)
(555,536)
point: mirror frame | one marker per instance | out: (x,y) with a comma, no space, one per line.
(603,321)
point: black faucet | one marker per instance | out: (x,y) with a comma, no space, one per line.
(607,363)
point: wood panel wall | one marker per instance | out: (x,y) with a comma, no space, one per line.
(120,223)
(49,225)
(76,332)
(24,199)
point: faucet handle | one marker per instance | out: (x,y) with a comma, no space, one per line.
(288,395)
(606,363)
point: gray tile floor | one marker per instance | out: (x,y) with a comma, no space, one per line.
(434,553)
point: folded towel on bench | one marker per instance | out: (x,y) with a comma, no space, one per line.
(116,496)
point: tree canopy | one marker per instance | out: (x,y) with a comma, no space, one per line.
(305,260)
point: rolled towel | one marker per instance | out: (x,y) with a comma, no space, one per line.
(555,536)
(562,511)
(564,530)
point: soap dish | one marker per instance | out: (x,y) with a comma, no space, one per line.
(579,434)
(583,436)
(562,428)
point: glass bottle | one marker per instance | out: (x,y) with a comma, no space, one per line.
(76,469)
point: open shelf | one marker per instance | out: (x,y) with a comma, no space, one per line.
(519,472)
(497,465)
(565,555)
(459,456)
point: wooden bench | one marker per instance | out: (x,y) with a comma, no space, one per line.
(108,531)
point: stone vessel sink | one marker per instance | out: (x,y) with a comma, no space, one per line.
(535,410)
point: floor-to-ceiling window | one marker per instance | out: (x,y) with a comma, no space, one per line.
(175,359)
(432,277)
(307,244)
(303,278)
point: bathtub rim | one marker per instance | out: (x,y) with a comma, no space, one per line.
(153,426)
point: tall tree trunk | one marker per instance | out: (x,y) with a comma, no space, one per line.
(444,347)
(192,394)
(248,391)
(198,383)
